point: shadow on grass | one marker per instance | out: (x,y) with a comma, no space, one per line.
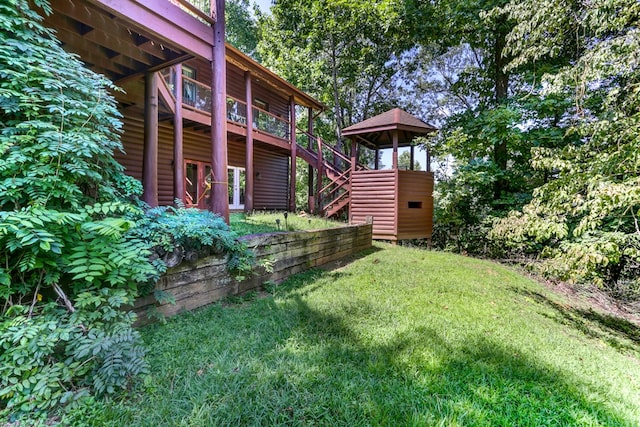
(285,363)
(617,332)
(419,378)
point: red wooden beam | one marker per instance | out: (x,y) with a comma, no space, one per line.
(394,137)
(294,148)
(310,187)
(164,22)
(219,165)
(248,197)
(102,29)
(178,152)
(412,157)
(150,155)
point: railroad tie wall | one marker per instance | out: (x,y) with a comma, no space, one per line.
(206,280)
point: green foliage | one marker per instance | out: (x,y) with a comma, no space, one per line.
(59,125)
(582,222)
(52,358)
(241,26)
(347,54)
(68,261)
(404,162)
(181,233)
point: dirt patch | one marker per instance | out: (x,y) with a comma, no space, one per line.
(590,297)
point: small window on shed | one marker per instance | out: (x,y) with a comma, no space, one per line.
(415,205)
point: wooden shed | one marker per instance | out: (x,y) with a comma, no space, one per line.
(400,202)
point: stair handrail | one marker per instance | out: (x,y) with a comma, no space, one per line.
(337,200)
(335,181)
(320,143)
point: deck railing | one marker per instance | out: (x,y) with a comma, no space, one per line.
(270,123)
(197,96)
(236,111)
(201,9)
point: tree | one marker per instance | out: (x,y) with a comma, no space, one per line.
(404,162)
(345,53)
(583,221)
(242,29)
(67,264)
(489,118)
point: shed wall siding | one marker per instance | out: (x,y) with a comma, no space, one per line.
(373,193)
(416,187)
(271,178)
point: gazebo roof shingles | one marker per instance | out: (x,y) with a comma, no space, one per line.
(376,132)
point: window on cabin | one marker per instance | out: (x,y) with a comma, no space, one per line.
(415,205)
(189,88)
(263,105)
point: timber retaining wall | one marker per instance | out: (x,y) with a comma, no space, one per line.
(195,284)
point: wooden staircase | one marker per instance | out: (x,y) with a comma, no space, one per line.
(333,192)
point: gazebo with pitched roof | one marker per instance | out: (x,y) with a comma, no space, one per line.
(399,202)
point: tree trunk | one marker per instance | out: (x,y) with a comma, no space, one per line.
(500,152)
(336,99)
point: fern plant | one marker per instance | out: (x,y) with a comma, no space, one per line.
(68,259)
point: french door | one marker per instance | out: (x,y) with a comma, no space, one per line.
(237,185)
(198,185)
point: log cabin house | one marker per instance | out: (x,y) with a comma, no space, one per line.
(204,123)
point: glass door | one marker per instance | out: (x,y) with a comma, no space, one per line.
(197,184)
(237,184)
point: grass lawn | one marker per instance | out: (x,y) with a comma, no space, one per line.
(268,222)
(399,337)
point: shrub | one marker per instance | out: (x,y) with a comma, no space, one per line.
(68,261)
(179,233)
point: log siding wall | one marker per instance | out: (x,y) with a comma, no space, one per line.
(400,202)
(271,170)
(373,193)
(415,221)
(205,281)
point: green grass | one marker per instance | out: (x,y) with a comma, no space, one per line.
(268,222)
(399,337)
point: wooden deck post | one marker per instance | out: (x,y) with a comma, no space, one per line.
(150,156)
(376,162)
(394,135)
(310,187)
(248,196)
(178,152)
(411,166)
(294,149)
(219,164)
(428,167)
(354,154)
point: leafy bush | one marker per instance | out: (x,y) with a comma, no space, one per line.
(68,261)
(582,224)
(75,245)
(52,357)
(179,233)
